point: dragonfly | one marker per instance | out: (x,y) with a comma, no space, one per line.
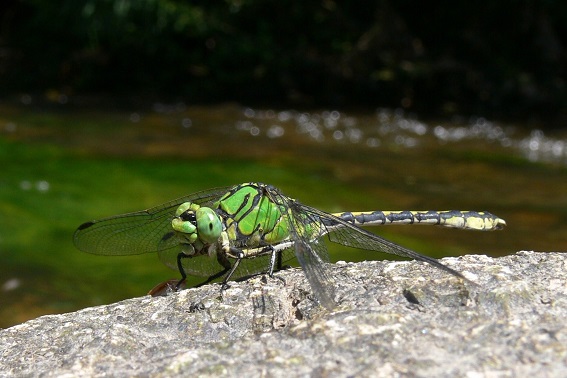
(253,228)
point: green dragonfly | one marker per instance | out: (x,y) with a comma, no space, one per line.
(254,228)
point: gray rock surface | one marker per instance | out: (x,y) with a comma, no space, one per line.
(393,319)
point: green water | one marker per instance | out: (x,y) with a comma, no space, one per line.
(61,168)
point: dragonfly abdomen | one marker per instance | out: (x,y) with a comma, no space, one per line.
(474,220)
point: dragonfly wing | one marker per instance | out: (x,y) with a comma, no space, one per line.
(316,270)
(135,233)
(168,249)
(206,266)
(311,252)
(199,266)
(347,234)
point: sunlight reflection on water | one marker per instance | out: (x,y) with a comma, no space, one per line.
(396,128)
(383,128)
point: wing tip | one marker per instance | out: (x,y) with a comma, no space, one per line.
(85,225)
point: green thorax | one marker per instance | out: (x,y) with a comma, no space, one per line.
(251,217)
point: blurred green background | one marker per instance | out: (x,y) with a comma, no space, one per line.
(115,106)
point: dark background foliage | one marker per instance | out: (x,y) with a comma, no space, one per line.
(504,58)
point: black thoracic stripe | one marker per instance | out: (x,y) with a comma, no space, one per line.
(230,193)
(255,201)
(242,204)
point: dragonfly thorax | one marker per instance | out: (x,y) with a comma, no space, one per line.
(197,223)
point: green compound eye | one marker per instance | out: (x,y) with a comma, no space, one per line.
(209,225)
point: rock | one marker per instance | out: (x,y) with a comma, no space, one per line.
(393,318)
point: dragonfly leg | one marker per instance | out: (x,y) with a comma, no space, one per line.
(279,262)
(223,261)
(180,256)
(275,262)
(239,256)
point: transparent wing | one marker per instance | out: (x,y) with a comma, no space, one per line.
(200,266)
(305,230)
(139,232)
(347,234)
(206,266)
(316,270)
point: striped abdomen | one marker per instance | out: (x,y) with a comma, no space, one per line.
(473,220)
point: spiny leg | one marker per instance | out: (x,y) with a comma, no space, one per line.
(180,256)
(239,256)
(273,261)
(223,261)
(276,264)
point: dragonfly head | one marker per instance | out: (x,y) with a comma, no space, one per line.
(197,222)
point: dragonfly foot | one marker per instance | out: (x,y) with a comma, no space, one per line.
(281,279)
(179,284)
